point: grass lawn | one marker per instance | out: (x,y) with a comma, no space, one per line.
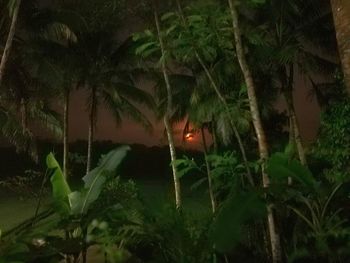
(15,209)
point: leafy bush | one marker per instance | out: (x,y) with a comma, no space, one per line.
(333,144)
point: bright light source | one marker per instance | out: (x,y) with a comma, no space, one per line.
(189,136)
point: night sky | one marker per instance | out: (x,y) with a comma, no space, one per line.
(306,108)
(131,132)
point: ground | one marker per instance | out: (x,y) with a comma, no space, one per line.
(15,209)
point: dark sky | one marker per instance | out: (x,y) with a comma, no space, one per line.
(307,111)
(106,129)
(130,132)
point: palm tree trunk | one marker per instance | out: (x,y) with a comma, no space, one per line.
(66,132)
(294,135)
(24,121)
(214,136)
(177,185)
(9,41)
(167,115)
(207,164)
(341,17)
(291,125)
(294,130)
(257,123)
(91,129)
(298,140)
(232,123)
(222,99)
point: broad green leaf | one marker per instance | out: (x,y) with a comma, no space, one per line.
(93,182)
(290,150)
(199,183)
(148,33)
(60,187)
(239,209)
(280,167)
(167,16)
(185,166)
(170,29)
(141,49)
(195,18)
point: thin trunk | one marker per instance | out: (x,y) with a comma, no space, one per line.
(167,116)
(287,91)
(291,125)
(25,131)
(210,183)
(232,123)
(24,121)
(170,136)
(257,123)
(91,129)
(222,99)
(291,141)
(294,120)
(207,164)
(294,131)
(9,41)
(213,134)
(298,140)
(341,16)
(66,132)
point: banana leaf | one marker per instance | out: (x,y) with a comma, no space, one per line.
(228,228)
(81,201)
(280,167)
(60,187)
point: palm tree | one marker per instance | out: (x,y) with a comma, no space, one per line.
(201,115)
(104,77)
(180,54)
(199,58)
(341,15)
(290,43)
(14,11)
(258,126)
(25,101)
(97,60)
(58,61)
(31,75)
(169,108)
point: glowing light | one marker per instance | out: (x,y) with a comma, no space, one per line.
(189,136)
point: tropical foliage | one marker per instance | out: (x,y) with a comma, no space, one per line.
(254,191)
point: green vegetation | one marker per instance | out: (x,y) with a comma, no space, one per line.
(254,192)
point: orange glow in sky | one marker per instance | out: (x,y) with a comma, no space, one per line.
(189,136)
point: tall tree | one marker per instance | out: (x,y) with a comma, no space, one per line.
(191,43)
(168,113)
(47,33)
(60,62)
(291,35)
(106,82)
(97,56)
(25,101)
(258,126)
(14,11)
(341,15)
